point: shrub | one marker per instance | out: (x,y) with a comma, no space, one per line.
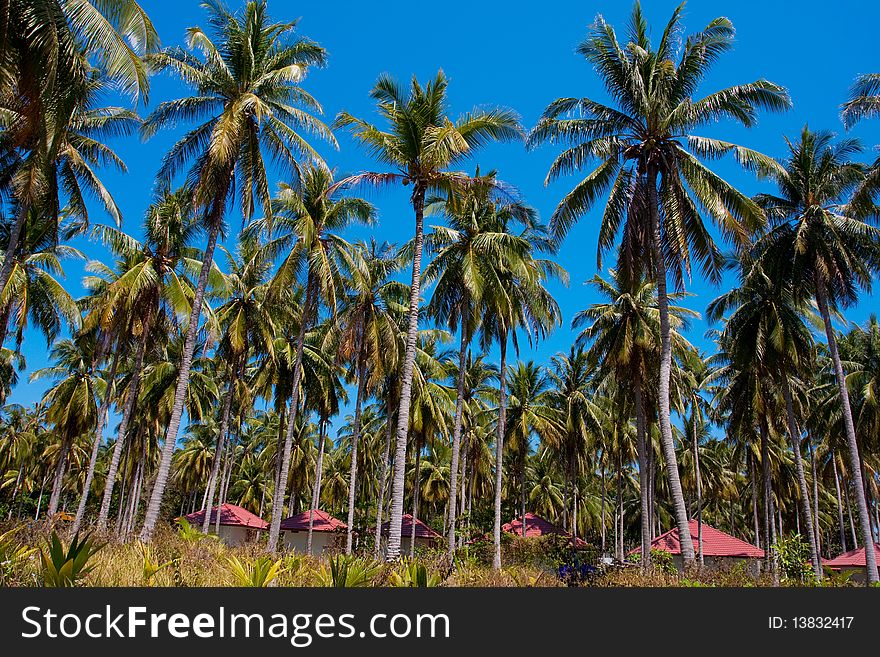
(259,573)
(412,574)
(348,572)
(793,555)
(63,567)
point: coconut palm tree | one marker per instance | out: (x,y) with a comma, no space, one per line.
(152,282)
(249,101)
(769,312)
(530,416)
(516,300)
(34,292)
(624,336)
(307,220)
(823,248)
(479,233)
(71,404)
(53,56)
(365,335)
(60,172)
(247,322)
(421,144)
(649,166)
(580,421)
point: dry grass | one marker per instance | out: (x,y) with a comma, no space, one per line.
(171,560)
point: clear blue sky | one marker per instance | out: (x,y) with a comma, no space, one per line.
(521,55)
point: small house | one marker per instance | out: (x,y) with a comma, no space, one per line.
(326,531)
(721,551)
(237,525)
(425,536)
(852,562)
(538,526)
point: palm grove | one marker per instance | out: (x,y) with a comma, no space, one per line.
(216,371)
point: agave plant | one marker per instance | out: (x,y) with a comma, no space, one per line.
(151,562)
(259,573)
(191,534)
(412,574)
(67,566)
(348,572)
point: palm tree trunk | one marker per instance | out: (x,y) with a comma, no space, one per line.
(699,487)
(386,456)
(58,479)
(522,490)
(127,412)
(603,506)
(281,489)
(768,494)
(417,485)
(397,486)
(840,524)
(216,218)
(754,499)
(795,438)
(852,444)
(96,443)
(356,434)
(15,494)
(816,528)
(316,490)
(852,525)
(456,440)
(499,451)
(666,440)
(644,481)
(9,260)
(218,452)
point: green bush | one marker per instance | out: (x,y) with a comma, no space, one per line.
(64,567)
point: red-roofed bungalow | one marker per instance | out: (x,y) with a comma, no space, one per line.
(853,562)
(720,550)
(538,526)
(326,531)
(237,525)
(425,536)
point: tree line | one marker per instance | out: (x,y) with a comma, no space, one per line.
(259,344)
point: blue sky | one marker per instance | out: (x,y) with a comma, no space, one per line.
(521,55)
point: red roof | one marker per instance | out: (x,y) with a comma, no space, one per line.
(537,526)
(422,530)
(321,522)
(231,515)
(715,543)
(851,559)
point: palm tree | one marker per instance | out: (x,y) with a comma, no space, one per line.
(246,320)
(152,275)
(531,416)
(517,299)
(366,336)
(35,292)
(770,314)
(246,94)
(421,144)
(44,77)
(650,169)
(823,248)
(43,184)
(478,234)
(307,220)
(623,334)
(71,404)
(580,422)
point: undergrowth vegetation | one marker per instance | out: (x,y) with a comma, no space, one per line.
(33,555)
